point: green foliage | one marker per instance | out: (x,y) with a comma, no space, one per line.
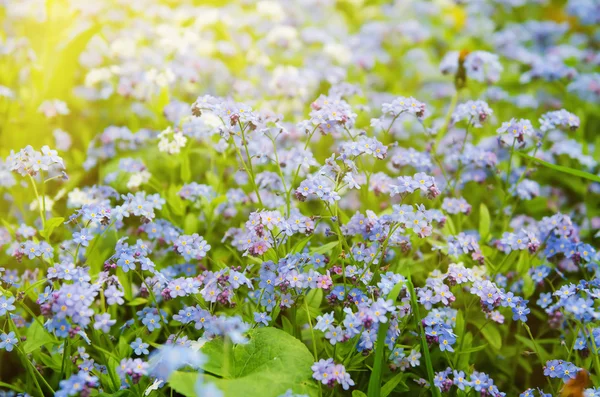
(270,364)
(38,337)
(51,224)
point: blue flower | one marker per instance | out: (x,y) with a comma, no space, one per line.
(8,341)
(6,305)
(139,347)
(83,237)
(262,318)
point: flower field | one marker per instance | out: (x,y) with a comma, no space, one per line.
(300,198)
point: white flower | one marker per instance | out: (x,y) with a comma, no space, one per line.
(49,204)
(53,108)
(137,179)
(154,386)
(170,141)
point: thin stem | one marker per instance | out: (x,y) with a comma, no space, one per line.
(442,132)
(249,168)
(512,150)
(424,345)
(537,351)
(595,351)
(37,197)
(312,332)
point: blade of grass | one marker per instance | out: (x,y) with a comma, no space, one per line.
(566,170)
(374,389)
(413,299)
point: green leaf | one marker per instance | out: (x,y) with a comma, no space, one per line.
(51,224)
(270,364)
(374,389)
(523,264)
(532,346)
(391,384)
(190,224)
(525,364)
(301,244)
(463,359)
(175,202)
(120,393)
(325,247)
(358,393)
(124,279)
(12,387)
(566,170)
(186,171)
(137,301)
(484,221)
(393,295)
(314,297)
(474,349)
(492,335)
(37,337)
(287,325)
(528,286)
(213,179)
(449,229)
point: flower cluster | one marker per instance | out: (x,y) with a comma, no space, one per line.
(300,198)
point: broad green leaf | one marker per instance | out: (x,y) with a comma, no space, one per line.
(492,335)
(325,247)
(12,387)
(358,393)
(213,179)
(474,349)
(460,324)
(463,359)
(51,224)
(484,221)
(374,389)
(124,279)
(449,229)
(391,384)
(37,337)
(523,264)
(137,301)
(532,346)
(393,295)
(190,224)
(356,362)
(525,364)
(175,202)
(287,325)
(53,362)
(314,297)
(186,171)
(270,364)
(528,286)
(301,317)
(566,170)
(120,393)
(271,255)
(301,244)
(215,364)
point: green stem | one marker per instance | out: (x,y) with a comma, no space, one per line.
(28,364)
(595,351)
(542,358)
(40,206)
(424,345)
(249,169)
(375,380)
(512,150)
(442,132)
(312,331)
